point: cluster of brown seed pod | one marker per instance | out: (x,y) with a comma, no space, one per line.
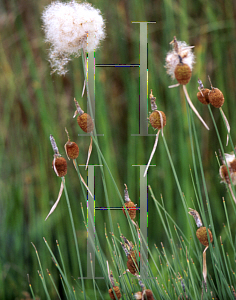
(214,96)
(59,163)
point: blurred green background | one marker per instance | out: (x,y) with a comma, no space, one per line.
(35,104)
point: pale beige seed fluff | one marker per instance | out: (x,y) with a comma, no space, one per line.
(66,26)
(229,158)
(230,161)
(172,58)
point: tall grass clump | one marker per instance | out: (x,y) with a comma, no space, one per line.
(90,208)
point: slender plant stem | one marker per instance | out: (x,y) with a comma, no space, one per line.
(75,237)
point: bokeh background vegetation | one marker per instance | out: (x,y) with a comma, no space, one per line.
(35,104)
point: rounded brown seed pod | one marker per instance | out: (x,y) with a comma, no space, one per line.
(132,264)
(149,294)
(131,208)
(233,166)
(85,122)
(216,98)
(203,96)
(202,236)
(224,174)
(72,150)
(155,119)
(59,165)
(183,73)
(117,292)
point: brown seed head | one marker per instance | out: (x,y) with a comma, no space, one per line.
(232,169)
(149,294)
(131,208)
(72,150)
(233,166)
(155,119)
(216,97)
(224,174)
(85,122)
(59,165)
(132,264)
(203,96)
(183,73)
(202,236)
(117,292)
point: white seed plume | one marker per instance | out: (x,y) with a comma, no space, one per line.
(229,158)
(172,58)
(66,27)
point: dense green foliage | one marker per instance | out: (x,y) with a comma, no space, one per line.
(35,104)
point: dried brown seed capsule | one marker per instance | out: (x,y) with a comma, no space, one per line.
(183,73)
(145,294)
(233,166)
(216,98)
(202,236)
(224,174)
(203,96)
(131,208)
(155,119)
(59,165)
(149,295)
(85,122)
(132,264)
(117,292)
(72,150)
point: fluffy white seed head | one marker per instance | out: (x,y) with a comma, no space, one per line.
(230,161)
(229,158)
(138,295)
(180,49)
(67,26)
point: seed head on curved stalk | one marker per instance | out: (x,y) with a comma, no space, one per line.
(157,120)
(179,65)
